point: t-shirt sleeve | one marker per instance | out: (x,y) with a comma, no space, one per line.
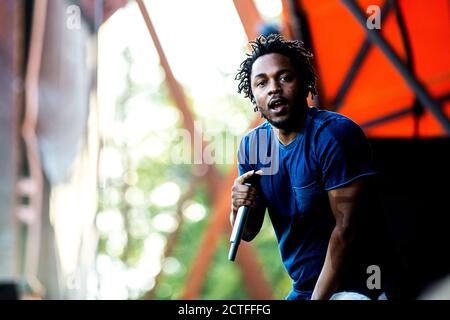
(242,168)
(343,153)
(243,156)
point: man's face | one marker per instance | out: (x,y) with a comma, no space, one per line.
(275,86)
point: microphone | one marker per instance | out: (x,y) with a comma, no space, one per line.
(239,223)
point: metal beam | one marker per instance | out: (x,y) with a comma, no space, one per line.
(33,213)
(394,115)
(12,48)
(301,31)
(250,17)
(420,91)
(386,118)
(295,25)
(356,64)
(219,192)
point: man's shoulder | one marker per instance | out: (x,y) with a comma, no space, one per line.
(263,127)
(331,122)
(322,117)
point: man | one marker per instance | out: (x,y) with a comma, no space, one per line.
(320,195)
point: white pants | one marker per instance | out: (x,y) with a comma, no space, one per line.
(348,295)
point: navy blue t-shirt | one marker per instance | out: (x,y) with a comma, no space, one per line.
(329,152)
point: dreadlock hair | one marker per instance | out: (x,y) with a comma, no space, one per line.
(275,43)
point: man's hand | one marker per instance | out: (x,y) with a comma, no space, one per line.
(242,195)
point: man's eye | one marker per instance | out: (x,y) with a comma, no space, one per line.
(286,78)
(260,83)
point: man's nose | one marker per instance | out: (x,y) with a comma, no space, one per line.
(274,88)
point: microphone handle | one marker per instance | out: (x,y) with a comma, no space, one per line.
(238,230)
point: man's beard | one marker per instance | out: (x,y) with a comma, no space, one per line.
(293,120)
(281,124)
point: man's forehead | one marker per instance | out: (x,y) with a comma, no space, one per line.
(271,63)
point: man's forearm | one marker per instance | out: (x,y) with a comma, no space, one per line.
(346,205)
(330,276)
(254,222)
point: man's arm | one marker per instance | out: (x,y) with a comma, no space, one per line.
(346,206)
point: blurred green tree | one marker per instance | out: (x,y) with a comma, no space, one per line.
(151,200)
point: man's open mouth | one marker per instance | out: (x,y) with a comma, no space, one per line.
(278,104)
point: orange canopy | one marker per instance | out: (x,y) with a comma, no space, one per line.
(378,91)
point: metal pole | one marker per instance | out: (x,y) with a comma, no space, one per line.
(421,93)
(356,65)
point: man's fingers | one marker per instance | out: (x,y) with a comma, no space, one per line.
(242,188)
(241,179)
(244,202)
(245,176)
(242,194)
(240,202)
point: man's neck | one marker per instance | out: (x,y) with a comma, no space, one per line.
(287,135)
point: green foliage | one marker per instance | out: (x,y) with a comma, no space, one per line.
(143,173)
(185,250)
(224,281)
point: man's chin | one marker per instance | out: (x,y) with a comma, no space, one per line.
(287,121)
(280,123)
